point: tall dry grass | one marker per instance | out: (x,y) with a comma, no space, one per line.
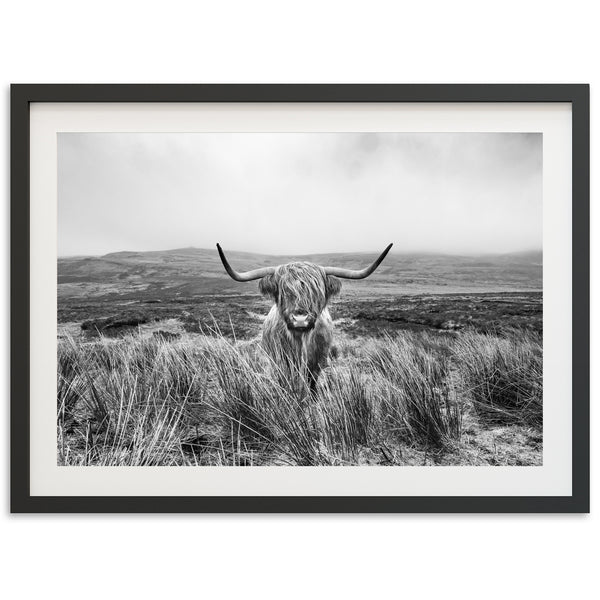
(205,400)
(417,394)
(503,376)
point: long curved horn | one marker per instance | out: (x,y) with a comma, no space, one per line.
(350,274)
(246,276)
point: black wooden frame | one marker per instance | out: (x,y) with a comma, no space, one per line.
(24,94)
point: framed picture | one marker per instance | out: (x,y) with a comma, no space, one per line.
(300,298)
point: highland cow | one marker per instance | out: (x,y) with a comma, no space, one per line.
(298,331)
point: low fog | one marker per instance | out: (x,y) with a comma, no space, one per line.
(298,193)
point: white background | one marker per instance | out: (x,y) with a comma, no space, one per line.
(497,556)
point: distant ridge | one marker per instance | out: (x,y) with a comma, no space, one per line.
(195,271)
(192,250)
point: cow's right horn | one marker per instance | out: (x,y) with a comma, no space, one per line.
(247,275)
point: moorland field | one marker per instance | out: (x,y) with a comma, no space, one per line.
(439,362)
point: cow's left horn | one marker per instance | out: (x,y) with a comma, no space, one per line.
(350,274)
(246,276)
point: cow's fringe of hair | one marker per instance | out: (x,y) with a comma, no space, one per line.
(305,282)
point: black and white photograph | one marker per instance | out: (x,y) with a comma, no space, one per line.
(300,299)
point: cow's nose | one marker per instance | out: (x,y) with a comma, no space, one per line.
(300,320)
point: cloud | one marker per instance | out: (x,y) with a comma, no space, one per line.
(284,193)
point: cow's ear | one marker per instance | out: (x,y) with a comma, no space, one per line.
(332,286)
(268,286)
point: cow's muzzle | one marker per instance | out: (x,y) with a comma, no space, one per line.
(300,322)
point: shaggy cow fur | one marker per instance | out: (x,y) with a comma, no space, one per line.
(300,292)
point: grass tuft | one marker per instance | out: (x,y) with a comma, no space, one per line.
(503,376)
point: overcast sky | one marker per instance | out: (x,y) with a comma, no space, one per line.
(298,193)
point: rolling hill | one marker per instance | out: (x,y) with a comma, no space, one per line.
(194,271)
